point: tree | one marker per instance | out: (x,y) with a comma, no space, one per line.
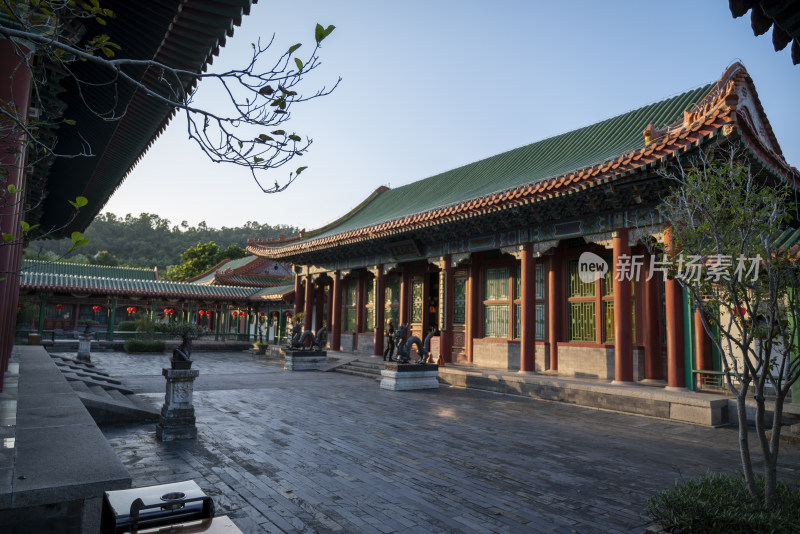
(202,257)
(728,224)
(51,39)
(104,257)
(195,260)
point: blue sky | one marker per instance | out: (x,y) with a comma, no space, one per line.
(428,86)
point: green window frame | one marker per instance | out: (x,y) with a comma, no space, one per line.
(459,300)
(349,305)
(581,306)
(608,308)
(541,306)
(417,301)
(497,302)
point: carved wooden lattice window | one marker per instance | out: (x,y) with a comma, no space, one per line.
(392,296)
(496,305)
(608,308)
(349,305)
(459,300)
(517,302)
(369,305)
(540,302)
(417,302)
(581,306)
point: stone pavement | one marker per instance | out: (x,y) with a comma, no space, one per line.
(326,452)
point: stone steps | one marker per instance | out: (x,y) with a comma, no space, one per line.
(106,398)
(361,368)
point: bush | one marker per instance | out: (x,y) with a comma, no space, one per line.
(127,326)
(142,345)
(721,503)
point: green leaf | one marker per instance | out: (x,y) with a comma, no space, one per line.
(298,63)
(279,132)
(264,138)
(100,21)
(69,121)
(321,33)
(256,159)
(79,202)
(299,170)
(294,137)
(13,189)
(8,237)
(294,47)
(266,90)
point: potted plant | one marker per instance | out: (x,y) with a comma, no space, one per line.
(188,332)
(260,347)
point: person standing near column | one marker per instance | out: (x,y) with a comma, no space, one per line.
(390,344)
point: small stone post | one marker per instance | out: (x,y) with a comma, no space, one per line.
(85,348)
(177,419)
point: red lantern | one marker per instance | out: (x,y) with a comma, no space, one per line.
(208,312)
(59,307)
(274,314)
(234,314)
(201,313)
(97,308)
(261,314)
(288,314)
(242,314)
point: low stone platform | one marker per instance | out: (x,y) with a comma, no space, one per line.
(304,360)
(409,376)
(60,462)
(634,399)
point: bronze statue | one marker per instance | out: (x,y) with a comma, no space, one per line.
(404,347)
(299,338)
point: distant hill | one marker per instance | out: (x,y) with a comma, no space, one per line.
(151,241)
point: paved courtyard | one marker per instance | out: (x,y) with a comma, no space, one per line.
(326,452)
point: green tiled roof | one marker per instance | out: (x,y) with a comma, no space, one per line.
(529,164)
(272,293)
(76,269)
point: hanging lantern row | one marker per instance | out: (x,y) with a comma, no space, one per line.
(131,309)
(97,309)
(169,311)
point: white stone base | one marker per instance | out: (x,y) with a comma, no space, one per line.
(296,362)
(408,380)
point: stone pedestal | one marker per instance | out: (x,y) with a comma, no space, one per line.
(177,419)
(408,376)
(84,348)
(304,360)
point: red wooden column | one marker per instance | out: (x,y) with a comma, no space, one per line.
(404,298)
(652,335)
(309,303)
(336,317)
(702,344)
(623,349)
(674,323)
(554,310)
(527,344)
(15,87)
(298,294)
(380,310)
(446,310)
(473,306)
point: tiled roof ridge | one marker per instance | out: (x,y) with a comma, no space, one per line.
(350,213)
(704,120)
(67,263)
(71,282)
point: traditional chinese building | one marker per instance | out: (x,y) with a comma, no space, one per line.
(489,254)
(231,299)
